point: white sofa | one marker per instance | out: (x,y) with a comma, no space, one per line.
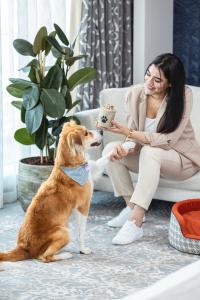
(168,190)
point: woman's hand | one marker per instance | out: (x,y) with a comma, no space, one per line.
(118,128)
(118,153)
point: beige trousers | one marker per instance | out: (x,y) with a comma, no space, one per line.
(150,164)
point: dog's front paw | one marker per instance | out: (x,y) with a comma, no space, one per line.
(85,250)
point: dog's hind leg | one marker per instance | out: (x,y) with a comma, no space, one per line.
(59,239)
(81,221)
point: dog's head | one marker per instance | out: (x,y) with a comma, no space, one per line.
(73,141)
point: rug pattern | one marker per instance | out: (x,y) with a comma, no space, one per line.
(110,272)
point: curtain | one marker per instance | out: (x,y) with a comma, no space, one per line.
(106,36)
(75,20)
(21,19)
(1,127)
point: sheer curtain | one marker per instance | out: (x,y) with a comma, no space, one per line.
(1,127)
(21,19)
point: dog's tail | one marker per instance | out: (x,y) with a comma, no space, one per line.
(15,255)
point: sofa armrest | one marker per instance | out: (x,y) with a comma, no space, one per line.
(88,118)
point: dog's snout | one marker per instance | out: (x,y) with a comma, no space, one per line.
(95,144)
(97,138)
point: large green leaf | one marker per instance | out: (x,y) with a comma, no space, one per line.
(48,45)
(23,114)
(51,139)
(71,60)
(18,86)
(68,52)
(39,41)
(68,100)
(57,126)
(61,35)
(34,75)
(33,63)
(30,97)
(33,118)
(81,76)
(17,104)
(24,47)
(14,90)
(76,37)
(41,134)
(53,79)
(23,84)
(53,102)
(53,42)
(56,53)
(64,89)
(24,137)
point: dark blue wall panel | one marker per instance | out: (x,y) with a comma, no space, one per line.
(187,37)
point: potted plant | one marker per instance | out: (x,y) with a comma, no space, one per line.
(45,103)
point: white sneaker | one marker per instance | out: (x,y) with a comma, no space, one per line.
(122,218)
(128,234)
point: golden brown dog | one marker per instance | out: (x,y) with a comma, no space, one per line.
(44,232)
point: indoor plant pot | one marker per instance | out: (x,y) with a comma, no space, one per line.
(30,177)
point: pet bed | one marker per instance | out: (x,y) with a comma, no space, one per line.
(184,229)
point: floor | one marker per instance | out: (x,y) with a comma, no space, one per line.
(110,272)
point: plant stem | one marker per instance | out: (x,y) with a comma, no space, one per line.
(41,157)
(54,154)
(46,148)
(41,59)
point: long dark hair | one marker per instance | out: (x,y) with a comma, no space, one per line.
(173,70)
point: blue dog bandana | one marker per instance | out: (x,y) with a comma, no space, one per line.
(79,174)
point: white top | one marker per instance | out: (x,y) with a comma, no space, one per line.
(149,125)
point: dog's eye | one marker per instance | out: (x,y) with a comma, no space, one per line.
(86,133)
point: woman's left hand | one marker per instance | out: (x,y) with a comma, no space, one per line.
(118,128)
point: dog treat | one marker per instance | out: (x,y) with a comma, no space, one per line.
(106,115)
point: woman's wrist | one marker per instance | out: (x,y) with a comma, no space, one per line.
(130,134)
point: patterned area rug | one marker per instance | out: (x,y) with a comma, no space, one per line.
(110,272)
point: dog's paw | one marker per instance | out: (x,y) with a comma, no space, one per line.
(63,255)
(85,250)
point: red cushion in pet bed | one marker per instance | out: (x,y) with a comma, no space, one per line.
(187,213)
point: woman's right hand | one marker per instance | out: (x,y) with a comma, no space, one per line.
(118,153)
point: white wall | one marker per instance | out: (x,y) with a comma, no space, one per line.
(153,33)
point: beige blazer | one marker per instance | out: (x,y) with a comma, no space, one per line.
(181,140)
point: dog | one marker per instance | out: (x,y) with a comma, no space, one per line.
(44,231)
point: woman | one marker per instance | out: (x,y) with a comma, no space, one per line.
(160,142)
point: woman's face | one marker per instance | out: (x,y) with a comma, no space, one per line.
(155,82)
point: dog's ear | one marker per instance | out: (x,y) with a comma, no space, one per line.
(77,140)
(74,138)
(75,143)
